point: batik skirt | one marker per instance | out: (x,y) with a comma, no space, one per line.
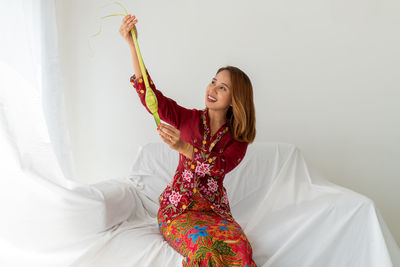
(206,239)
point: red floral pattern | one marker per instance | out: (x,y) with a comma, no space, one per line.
(212,185)
(187,175)
(225,198)
(214,156)
(194,215)
(175,197)
(202,168)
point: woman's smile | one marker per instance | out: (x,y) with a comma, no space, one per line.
(211,99)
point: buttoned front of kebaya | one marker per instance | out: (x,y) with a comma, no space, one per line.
(213,157)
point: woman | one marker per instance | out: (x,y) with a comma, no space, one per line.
(194,215)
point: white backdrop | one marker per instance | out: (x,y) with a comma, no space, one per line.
(325,78)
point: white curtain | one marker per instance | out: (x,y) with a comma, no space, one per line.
(30,71)
(47,218)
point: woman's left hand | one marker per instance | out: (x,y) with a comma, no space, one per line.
(171,136)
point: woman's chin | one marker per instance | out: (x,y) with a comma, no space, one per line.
(209,105)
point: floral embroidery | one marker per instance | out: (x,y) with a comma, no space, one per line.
(187,175)
(225,199)
(202,168)
(197,156)
(212,185)
(192,176)
(175,197)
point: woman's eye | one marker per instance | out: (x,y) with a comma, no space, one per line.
(212,82)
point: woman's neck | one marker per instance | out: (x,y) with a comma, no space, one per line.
(217,119)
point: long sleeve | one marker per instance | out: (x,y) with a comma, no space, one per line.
(168,110)
(213,163)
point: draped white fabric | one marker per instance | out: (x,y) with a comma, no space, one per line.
(42,207)
(31,78)
(50,219)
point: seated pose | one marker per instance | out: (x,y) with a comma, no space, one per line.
(194,215)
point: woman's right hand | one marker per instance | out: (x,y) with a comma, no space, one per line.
(128,22)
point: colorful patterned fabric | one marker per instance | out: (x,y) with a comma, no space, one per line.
(194,215)
(206,239)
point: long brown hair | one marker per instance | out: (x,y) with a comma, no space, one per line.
(241,117)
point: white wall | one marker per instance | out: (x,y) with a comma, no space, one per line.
(325,77)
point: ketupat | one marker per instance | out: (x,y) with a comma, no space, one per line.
(150,98)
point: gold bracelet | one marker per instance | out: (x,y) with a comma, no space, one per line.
(187,148)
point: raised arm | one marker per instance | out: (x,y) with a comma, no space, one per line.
(128,22)
(168,110)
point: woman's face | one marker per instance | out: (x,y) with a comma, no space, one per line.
(220,90)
